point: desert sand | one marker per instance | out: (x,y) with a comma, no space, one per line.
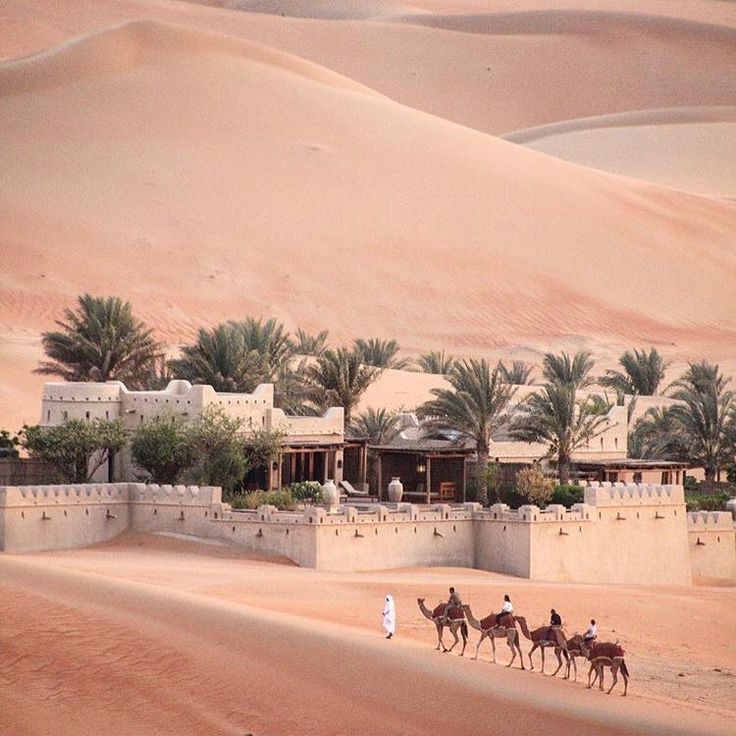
(154,635)
(208,163)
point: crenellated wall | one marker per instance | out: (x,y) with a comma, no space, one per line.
(712,544)
(38,518)
(621,534)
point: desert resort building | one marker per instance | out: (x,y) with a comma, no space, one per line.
(630,528)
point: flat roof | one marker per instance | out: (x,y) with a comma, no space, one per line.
(631,463)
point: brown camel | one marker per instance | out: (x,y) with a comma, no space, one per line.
(574,649)
(437,616)
(489,630)
(607,654)
(541,641)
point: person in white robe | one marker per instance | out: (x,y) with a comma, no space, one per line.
(389,616)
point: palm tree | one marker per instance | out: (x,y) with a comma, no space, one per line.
(270,340)
(556,417)
(219,358)
(642,373)
(707,415)
(306,344)
(380,353)
(657,435)
(100,341)
(573,371)
(340,377)
(518,375)
(378,425)
(474,408)
(436,362)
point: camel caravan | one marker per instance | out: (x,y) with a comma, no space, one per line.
(456,616)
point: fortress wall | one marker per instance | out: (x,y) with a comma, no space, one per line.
(38,518)
(622,534)
(640,535)
(387,538)
(182,509)
(502,540)
(712,545)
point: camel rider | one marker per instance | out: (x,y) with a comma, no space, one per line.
(555,622)
(508,607)
(591,634)
(453,603)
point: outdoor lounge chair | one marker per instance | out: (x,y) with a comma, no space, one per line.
(352,491)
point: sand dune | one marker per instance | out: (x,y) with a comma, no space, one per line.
(283,189)
(685,148)
(150,636)
(583,65)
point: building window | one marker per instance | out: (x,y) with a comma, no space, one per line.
(107,415)
(48,415)
(65,415)
(615,442)
(86,415)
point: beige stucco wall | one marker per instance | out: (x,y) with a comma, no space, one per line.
(621,534)
(712,545)
(38,518)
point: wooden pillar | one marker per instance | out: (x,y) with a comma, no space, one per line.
(363,471)
(465,478)
(311,465)
(429,478)
(281,465)
(379,475)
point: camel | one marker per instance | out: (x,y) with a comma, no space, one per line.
(574,649)
(438,618)
(607,654)
(540,641)
(489,630)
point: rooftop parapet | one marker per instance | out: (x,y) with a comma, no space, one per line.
(87,391)
(633,494)
(332,422)
(709,520)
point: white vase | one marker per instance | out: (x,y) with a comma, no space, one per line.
(330,494)
(395,490)
(731,506)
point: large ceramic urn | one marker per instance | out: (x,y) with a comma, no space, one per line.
(731,506)
(395,490)
(330,493)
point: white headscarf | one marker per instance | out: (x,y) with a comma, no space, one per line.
(389,615)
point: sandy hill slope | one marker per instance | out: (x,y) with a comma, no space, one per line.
(205,177)
(538,68)
(685,148)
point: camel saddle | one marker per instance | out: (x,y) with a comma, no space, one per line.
(455,614)
(507,621)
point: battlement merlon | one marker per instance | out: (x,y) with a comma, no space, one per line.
(710,520)
(612,495)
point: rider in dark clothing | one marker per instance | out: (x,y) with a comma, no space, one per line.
(555,622)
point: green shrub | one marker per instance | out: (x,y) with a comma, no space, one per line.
(282,500)
(568,494)
(308,490)
(689,483)
(711,502)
